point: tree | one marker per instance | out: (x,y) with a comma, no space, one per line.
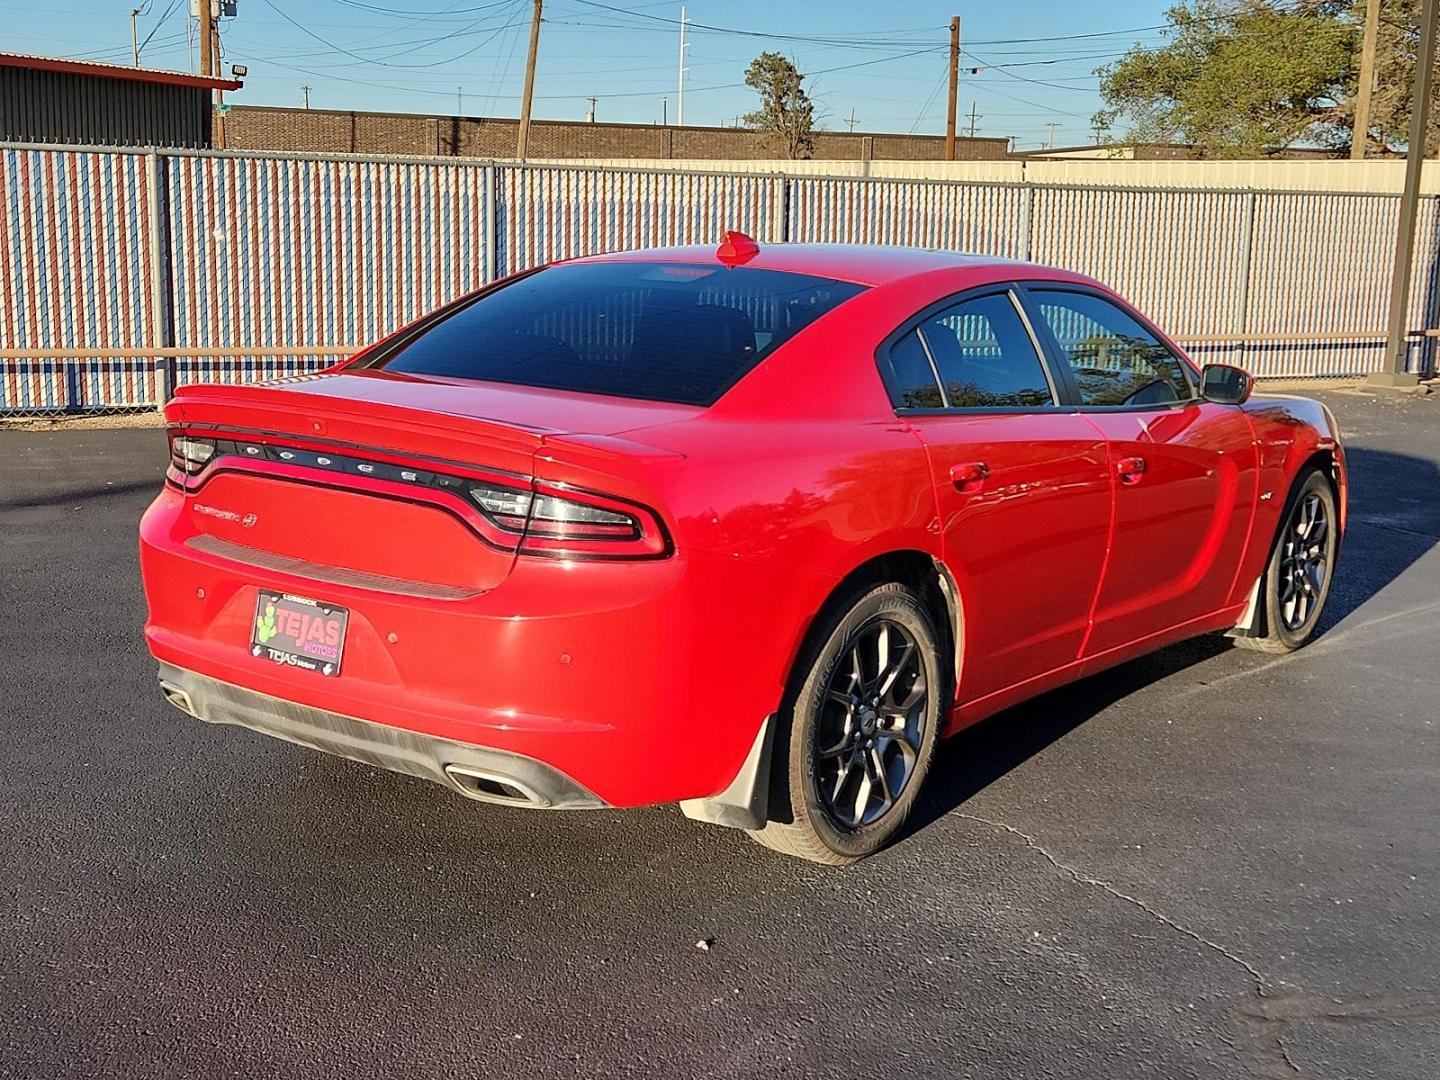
(786,113)
(1394,78)
(1238,79)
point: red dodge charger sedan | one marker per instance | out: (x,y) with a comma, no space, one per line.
(745,529)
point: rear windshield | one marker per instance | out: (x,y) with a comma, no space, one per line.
(661,331)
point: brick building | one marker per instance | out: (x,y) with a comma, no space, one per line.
(326,131)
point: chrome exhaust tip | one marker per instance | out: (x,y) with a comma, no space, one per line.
(179,698)
(492,787)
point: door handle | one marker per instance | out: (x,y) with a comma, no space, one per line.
(1131,469)
(969,476)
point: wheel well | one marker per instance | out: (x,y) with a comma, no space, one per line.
(1324,460)
(936,588)
(920,571)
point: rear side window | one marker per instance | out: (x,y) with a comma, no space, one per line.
(985,356)
(913,377)
(1114,359)
(679,332)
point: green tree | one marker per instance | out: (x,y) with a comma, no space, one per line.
(1239,79)
(786,112)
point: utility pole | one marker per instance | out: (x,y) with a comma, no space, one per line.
(680,107)
(664,112)
(305,95)
(591,117)
(134,41)
(954,87)
(973,118)
(212,32)
(852,121)
(207,37)
(1050,139)
(459,101)
(1360,132)
(524,139)
(1397,340)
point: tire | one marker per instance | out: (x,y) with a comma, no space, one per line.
(1294,591)
(847,773)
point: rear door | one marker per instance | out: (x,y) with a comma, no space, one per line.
(1022,484)
(1185,468)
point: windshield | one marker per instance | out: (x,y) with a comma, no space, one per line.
(676,332)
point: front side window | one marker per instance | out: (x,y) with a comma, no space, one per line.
(1114,359)
(985,356)
(679,332)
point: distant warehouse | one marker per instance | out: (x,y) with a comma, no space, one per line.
(47,100)
(331,131)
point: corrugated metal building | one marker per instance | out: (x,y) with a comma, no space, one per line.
(46,100)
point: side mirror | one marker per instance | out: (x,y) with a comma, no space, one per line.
(1225,385)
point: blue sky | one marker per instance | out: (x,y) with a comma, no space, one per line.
(426,55)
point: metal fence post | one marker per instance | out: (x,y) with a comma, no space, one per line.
(1027,217)
(781,211)
(1241,315)
(162,335)
(492,236)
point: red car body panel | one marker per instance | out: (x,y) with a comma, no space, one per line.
(647,680)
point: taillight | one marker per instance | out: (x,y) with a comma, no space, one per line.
(543,519)
(562,523)
(189,455)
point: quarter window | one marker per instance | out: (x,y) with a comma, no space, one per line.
(985,356)
(914,378)
(1114,359)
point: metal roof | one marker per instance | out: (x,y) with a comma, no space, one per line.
(116,71)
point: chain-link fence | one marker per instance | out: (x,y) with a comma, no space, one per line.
(124,274)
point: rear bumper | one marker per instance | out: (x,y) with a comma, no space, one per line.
(642,683)
(476,772)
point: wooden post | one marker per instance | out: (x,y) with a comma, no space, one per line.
(954,87)
(1360,131)
(523,142)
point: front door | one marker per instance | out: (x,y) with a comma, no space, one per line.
(1186,469)
(1023,487)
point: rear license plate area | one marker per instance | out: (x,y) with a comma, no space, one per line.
(298,632)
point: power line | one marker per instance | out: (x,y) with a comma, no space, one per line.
(383,61)
(868,40)
(410,14)
(159,23)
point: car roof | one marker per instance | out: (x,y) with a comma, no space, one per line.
(862,264)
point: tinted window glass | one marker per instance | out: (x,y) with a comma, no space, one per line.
(914,379)
(662,331)
(985,356)
(1116,361)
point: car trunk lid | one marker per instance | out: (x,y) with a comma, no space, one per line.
(365,479)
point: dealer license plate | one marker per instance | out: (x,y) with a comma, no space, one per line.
(298,631)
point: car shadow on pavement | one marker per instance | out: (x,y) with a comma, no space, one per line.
(978,756)
(1394,520)
(69,496)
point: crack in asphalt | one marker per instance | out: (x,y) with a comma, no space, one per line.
(1261,984)
(1269,1011)
(1285,1054)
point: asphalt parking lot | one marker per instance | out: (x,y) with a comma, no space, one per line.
(1209,863)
